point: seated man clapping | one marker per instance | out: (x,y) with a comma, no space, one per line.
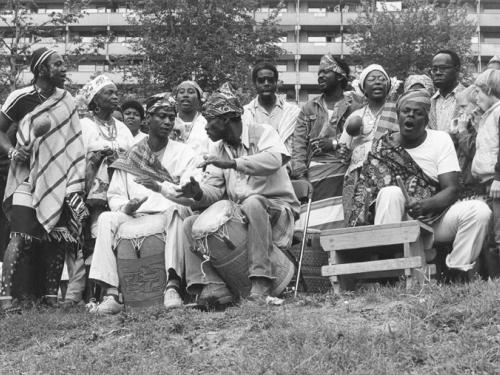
(154,158)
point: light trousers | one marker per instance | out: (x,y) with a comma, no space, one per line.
(465,224)
(104,266)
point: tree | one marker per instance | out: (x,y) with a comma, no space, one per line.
(19,32)
(406,41)
(211,41)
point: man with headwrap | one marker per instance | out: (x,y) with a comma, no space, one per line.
(427,162)
(247,166)
(269,108)
(46,175)
(143,184)
(317,155)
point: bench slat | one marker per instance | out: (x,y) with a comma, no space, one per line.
(372,266)
(377,235)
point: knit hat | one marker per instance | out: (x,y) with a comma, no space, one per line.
(38,58)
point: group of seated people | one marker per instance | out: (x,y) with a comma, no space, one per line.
(74,182)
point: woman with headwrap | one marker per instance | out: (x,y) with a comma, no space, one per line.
(418,82)
(367,124)
(426,161)
(190,124)
(104,138)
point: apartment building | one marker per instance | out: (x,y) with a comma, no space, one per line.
(312,27)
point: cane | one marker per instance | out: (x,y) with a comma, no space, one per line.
(304,237)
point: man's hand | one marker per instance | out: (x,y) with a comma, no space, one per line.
(417,208)
(495,189)
(344,153)
(149,183)
(133,205)
(21,154)
(217,162)
(191,189)
(320,145)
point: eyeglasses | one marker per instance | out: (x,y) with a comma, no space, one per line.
(262,80)
(441,68)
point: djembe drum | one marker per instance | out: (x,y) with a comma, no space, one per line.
(221,236)
(140,257)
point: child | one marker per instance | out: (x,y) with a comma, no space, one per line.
(486,162)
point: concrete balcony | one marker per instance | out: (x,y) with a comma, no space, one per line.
(487,49)
(305,78)
(81,78)
(489,19)
(91,19)
(310,19)
(318,49)
(124,48)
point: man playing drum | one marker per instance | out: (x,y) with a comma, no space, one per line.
(155,163)
(247,166)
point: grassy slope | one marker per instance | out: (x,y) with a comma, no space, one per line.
(436,330)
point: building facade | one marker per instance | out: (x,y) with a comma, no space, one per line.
(312,28)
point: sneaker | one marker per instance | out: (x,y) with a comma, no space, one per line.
(108,306)
(171,298)
(215,294)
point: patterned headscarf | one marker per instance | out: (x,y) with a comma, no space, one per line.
(221,102)
(368,70)
(38,57)
(421,79)
(328,63)
(90,89)
(421,97)
(192,83)
(163,100)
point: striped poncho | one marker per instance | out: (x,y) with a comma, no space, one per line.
(57,164)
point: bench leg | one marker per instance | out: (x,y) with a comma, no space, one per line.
(334,280)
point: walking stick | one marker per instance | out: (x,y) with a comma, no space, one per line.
(304,237)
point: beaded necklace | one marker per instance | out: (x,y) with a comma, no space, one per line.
(109,126)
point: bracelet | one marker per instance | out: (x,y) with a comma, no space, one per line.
(12,153)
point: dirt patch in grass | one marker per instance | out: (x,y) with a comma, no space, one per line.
(383,330)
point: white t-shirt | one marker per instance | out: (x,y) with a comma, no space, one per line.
(436,155)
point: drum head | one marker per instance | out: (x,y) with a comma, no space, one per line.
(214,217)
(142,226)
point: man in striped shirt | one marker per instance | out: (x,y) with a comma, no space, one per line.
(51,210)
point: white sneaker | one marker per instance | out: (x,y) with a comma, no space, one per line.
(108,306)
(172,299)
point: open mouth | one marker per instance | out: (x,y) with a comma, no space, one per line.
(409,125)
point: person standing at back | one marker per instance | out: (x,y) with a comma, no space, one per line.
(268,107)
(445,72)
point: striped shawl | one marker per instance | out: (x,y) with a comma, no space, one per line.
(57,163)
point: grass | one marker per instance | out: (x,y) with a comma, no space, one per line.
(440,329)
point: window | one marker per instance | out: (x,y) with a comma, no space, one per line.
(86,68)
(316,10)
(316,39)
(281,68)
(313,68)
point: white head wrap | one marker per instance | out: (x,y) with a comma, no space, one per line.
(368,70)
(90,89)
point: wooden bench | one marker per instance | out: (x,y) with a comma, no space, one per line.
(409,239)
